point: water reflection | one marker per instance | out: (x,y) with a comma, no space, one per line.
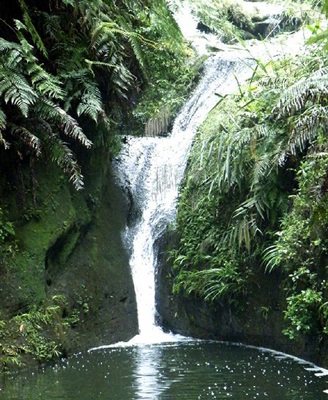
(171,371)
(149,381)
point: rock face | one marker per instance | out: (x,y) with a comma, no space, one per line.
(69,244)
(256,20)
(246,323)
(97,275)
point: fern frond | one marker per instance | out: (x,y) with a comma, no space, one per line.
(123,79)
(3,120)
(137,50)
(307,127)
(16,90)
(27,137)
(45,83)
(108,65)
(72,129)
(261,169)
(13,59)
(53,27)
(110,28)
(91,102)
(68,125)
(296,96)
(65,159)
(30,28)
(3,125)
(5,46)
(4,142)
(136,41)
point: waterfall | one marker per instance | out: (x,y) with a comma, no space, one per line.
(152,169)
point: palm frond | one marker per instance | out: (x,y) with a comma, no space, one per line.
(240,232)
(271,257)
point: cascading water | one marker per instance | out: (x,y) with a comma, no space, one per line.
(153,167)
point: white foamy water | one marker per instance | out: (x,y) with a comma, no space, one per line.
(153,169)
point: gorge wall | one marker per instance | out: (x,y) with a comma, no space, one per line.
(258,320)
(67,256)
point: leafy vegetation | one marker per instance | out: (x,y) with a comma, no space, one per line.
(69,69)
(38,334)
(71,76)
(255,196)
(235,20)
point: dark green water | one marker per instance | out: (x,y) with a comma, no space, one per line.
(177,371)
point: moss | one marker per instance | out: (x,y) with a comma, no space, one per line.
(49,212)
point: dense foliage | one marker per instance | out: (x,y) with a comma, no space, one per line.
(75,78)
(255,197)
(235,20)
(71,71)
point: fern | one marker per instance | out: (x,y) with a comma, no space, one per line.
(307,127)
(68,124)
(16,90)
(3,120)
(65,159)
(307,89)
(91,101)
(45,83)
(106,30)
(32,141)
(58,151)
(68,57)
(122,78)
(30,28)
